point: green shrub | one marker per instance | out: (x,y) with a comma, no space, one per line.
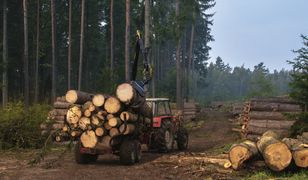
(19,128)
(301,124)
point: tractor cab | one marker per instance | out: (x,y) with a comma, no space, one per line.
(161,110)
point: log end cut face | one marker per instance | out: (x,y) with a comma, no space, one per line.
(88,139)
(277,156)
(125,92)
(112,105)
(238,155)
(98,100)
(71,96)
(73,115)
(301,158)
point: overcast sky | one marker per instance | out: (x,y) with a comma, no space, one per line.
(252,31)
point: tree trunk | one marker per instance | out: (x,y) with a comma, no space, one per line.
(190,55)
(78,97)
(36,86)
(276,154)
(26,54)
(111,38)
(114,122)
(260,130)
(128,116)
(61,105)
(179,100)
(81,44)
(5,57)
(69,56)
(53,53)
(239,153)
(127,41)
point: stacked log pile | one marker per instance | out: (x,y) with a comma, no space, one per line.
(277,154)
(191,110)
(97,119)
(262,114)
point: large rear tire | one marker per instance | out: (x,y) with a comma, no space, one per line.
(164,137)
(182,139)
(128,152)
(82,158)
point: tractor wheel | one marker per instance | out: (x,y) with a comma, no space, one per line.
(128,152)
(182,138)
(82,158)
(164,137)
(138,151)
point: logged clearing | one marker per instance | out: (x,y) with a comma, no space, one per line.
(204,158)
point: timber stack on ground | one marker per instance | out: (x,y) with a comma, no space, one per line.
(276,153)
(262,114)
(97,119)
(191,110)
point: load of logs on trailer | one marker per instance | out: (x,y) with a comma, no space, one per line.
(277,153)
(97,118)
(262,114)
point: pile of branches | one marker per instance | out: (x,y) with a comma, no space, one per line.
(277,153)
(97,119)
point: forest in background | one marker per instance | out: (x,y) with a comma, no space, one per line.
(181,34)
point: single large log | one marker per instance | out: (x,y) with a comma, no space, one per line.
(272,106)
(112,105)
(275,124)
(276,154)
(260,130)
(266,115)
(88,139)
(239,153)
(130,128)
(128,95)
(84,122)
(128,116)
(281,100)
(73,115)
(61,105)
(98,100)
(299,151)
(77,97)
(61,99)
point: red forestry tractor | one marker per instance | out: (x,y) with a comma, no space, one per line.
(156,127)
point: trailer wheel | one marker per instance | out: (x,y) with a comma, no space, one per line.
(138,151)
(182,138)
(82,158)
(164,137)
(128,152)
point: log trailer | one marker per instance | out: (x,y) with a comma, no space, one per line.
(154,126)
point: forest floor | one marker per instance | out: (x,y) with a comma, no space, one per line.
(210,136)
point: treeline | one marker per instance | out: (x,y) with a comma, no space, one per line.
(224,83)
(49,46)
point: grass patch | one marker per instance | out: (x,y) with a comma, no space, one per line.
(267,174)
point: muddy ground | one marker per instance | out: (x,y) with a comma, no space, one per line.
(207,139)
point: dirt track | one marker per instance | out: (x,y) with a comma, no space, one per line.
(214,132)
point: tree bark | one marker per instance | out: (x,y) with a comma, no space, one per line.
(78,97)
(36,86)
(276,154)
(147,23)
(111,38)
(5,57)
(179,100)
(275,124)
(53,42)
(81,43)
(266,115)
(190,54)
(69,56)
(127,41)
(128,116)
(239,153)
(26,54)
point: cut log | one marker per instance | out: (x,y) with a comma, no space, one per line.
(61,105)
(77,97)
(75,133)
(65,128)
(276,154)
(128,116)
(88,106)
(129,96)
(73,115)
(84,122)
(88,139)
(239,153)
(95,120)
(114,122)
(109,116)
(113,132)
(266,115)
(260,130)
(299,151)
(272,106)
(99,131)
(281,100)
(253,137)
(130,128)
(87,113)
(112,105)
(57,126)
(98,100)
(58,112)
(276,124)
(104,143)
(61,99)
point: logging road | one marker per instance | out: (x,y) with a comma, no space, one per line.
(215,132)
